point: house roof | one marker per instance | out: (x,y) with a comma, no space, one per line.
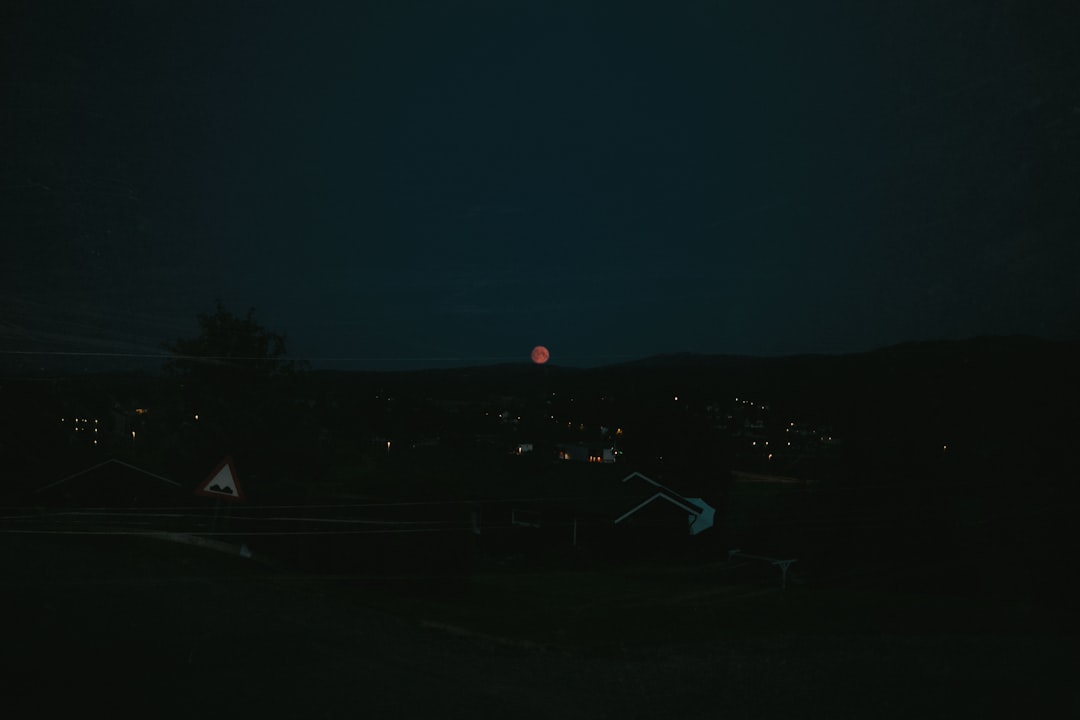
(661,496)
(106,463)
(111,483)
(663,490)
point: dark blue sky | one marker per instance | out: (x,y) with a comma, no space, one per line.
(403,184)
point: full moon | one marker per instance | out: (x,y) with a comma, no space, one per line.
(540,355)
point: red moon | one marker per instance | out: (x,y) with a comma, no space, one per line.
(540,355)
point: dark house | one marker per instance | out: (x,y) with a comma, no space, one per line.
(693,515)
(576,508)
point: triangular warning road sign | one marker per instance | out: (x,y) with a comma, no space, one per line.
(222,483)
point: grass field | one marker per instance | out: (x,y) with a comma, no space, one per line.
(651,606)
(176,631)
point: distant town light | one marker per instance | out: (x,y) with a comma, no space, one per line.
(196,416)
(676,398)
(770,456)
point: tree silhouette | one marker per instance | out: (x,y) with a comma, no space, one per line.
(230,348)
(238,391)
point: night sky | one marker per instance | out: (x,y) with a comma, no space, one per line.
(400,184)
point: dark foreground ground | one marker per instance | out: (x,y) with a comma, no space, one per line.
(120,626)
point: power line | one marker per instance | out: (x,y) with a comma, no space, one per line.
(345,358)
